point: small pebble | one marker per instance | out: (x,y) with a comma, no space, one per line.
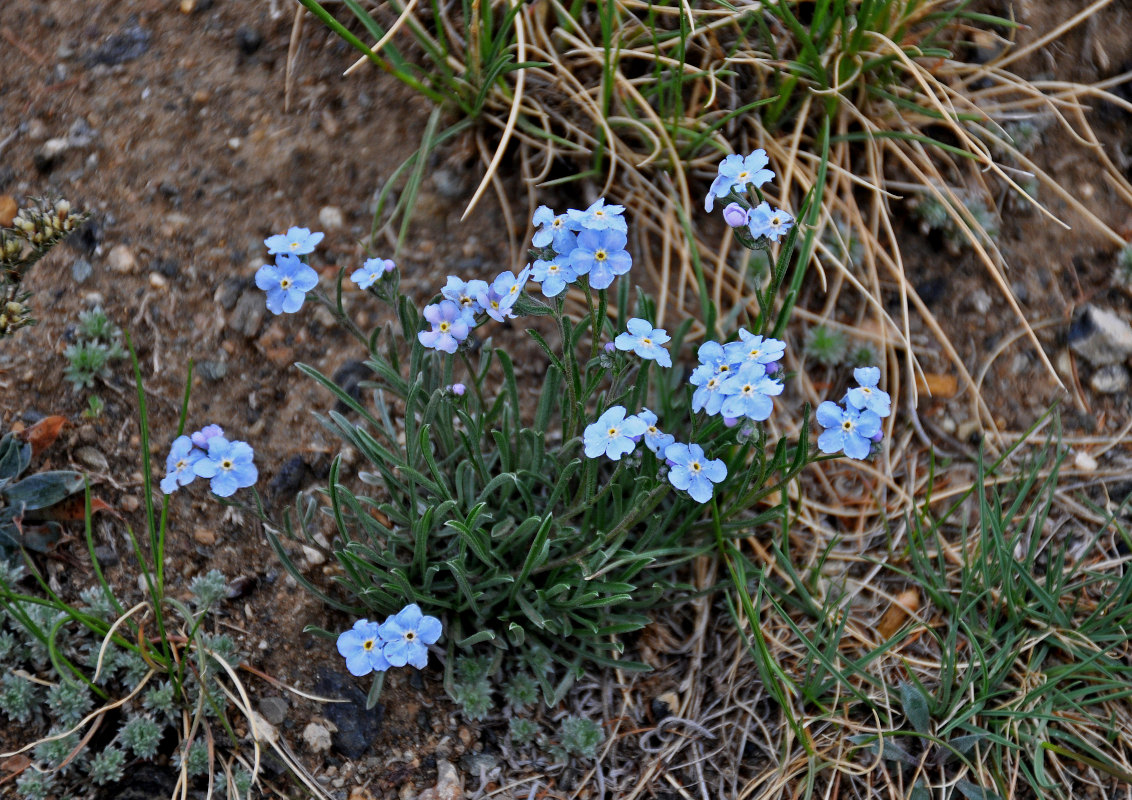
(157,280)
(129,503)
(207,538)
(121,259)
(90,457)
(1085,462)
(1110,379)
(316,737)
(274,709)
(81,270)
(331,218)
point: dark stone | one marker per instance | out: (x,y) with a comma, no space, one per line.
(289,479)
(31,416)
(88,237)
(168,267)
(107,556)
(127,44)
(248,40)
(229,292)
(349,377)
(7,176)
(932,290)
(274,709)
(357,727)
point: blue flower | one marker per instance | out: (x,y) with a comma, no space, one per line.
(553,229)
(554,275)
(286,283)
(773,223)
(296,242)
(655,439)
(407,636)
(736,172)
(710,378)
(748,393)
(464,293)
(372,271)
(848,429)
(867,395)
(754,348)
(498,298)
(692,471)
(602,256)
(645,341)
(450,326)
(599,217)
(179,464)
(612,434)
(361,646)
(228,464)
(200,438)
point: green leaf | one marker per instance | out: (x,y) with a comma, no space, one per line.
(972,791)
(476,638)
(38,538)
(14,458)
(916,708)
(43,489)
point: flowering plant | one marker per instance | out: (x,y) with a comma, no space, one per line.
(542,531)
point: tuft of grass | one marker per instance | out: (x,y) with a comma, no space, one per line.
(1005,665)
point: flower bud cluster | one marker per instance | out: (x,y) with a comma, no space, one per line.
(14,315)
(45,223)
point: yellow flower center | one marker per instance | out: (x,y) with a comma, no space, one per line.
(866,390)
(294,245)
(600,255)
(367,644)
(410,635)
(444,326)
(182,464)
(694,466)
(743,175)
(847,425)
(226,464)
(646,340)
(285,283)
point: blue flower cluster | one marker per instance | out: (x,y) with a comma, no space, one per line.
(402,639)
(577,243)
(854,426)
(208,454)
(615,435)
(454,317)
(288,280)
(734,380)
(736,176)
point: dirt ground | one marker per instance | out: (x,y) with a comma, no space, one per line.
(176,136)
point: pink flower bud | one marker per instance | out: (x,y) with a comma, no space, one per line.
(772,368)
(458,389)
(876,437)
(735,215)
(609,347)
(730,422)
